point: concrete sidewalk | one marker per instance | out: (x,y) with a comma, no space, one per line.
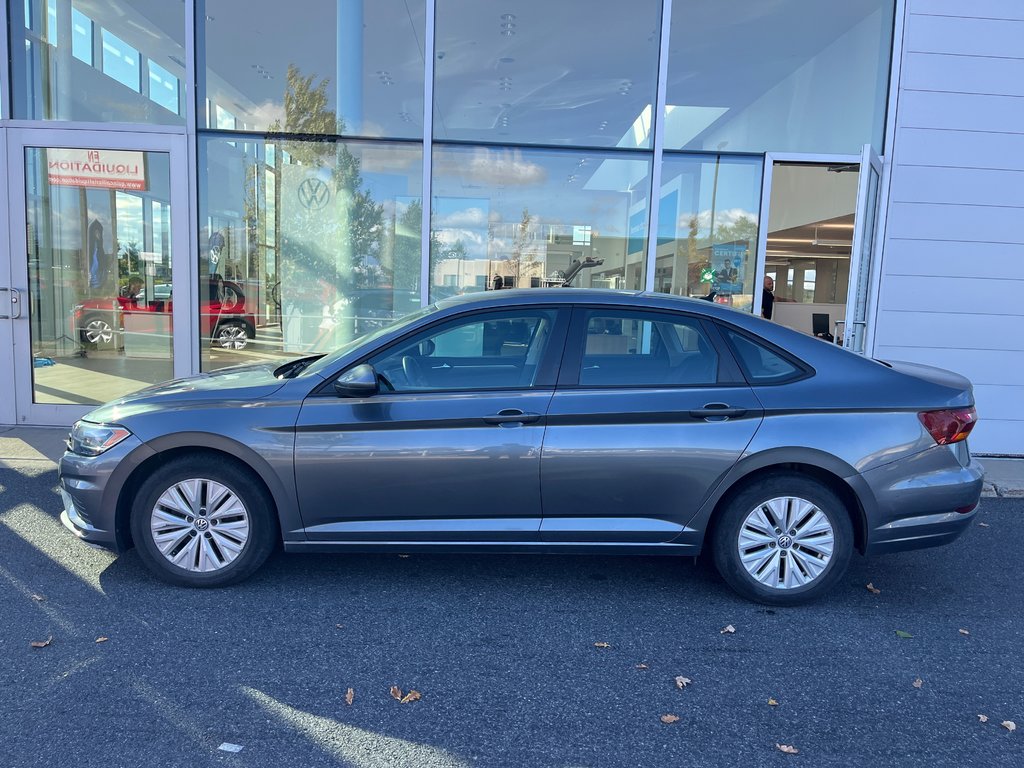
(1003,477)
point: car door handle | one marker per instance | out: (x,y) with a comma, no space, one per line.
(512,416)
(717,412)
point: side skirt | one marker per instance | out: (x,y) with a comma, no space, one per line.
(503,547)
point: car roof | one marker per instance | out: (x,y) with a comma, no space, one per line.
(520,296)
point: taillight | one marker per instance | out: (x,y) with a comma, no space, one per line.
(949,426)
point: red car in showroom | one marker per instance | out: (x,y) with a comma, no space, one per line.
(223,315)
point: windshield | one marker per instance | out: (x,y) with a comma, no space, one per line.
(328,360)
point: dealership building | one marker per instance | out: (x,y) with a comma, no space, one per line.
(192,184)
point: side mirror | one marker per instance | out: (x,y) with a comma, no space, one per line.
(360,381)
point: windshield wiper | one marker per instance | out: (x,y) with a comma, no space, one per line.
(295,367)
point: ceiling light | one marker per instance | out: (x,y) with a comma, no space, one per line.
(831,242)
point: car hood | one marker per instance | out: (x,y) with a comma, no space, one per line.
(241,382)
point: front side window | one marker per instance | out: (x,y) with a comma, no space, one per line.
(635,349)
(491,351)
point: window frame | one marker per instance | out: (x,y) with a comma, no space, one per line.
(729,373)
(547,369)
(803,369)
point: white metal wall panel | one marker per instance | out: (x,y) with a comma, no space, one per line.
(961,111)
(960,149)
(952,288)
(926,293)
(965,186)
(980,9)
(964,74)
(992,261)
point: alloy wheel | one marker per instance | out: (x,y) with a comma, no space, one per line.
(97,331)
(786,542)
(199,525)
(232,337)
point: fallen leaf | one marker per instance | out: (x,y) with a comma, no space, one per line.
(1009,725)
(787,748)
(963,632)
(102,639)
(918,683)
(602,645)
(38,598)
(983,718)
(983,525)
(903,635)
(772,703)
(396,693)
(728,630)
(410,696)
(871,588)
(42,643)
(641,666)
(669,719)
(682,682)
(229,747)
(350,696)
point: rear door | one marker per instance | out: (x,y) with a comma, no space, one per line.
(650,413)
(449,450)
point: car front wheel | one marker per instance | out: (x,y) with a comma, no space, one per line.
(783,540)
(203,523)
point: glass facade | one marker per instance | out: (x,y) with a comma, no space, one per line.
(100,274)
(304,244)
(331,67)
(521,218)
(539,72)
(529,131)
(93,61)
(707,227)
(785,76)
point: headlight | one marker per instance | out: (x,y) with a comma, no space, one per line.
(89,439)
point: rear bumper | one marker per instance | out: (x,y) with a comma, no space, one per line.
(925,500)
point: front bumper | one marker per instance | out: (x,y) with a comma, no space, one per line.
(924,500)
(89,488)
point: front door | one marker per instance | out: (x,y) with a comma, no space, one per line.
(103,226)
(449,450)
(862,259)
(649,415)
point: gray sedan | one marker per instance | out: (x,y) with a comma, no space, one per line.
(539,421)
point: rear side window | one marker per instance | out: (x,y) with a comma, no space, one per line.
(630,349)
(760,364)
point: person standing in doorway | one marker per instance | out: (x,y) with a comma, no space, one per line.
(767,298)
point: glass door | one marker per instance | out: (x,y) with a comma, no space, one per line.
(103,238)
(862,256)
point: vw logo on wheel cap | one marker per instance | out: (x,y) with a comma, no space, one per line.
(202,523)
(785,542)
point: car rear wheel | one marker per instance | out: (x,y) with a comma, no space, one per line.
(231,335)
(203,523)
(96,330)
(783,540)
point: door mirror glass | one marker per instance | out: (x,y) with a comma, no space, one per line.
(360,381)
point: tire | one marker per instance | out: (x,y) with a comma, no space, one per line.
(232,542)
(782,568)
(96,329)
(231,334)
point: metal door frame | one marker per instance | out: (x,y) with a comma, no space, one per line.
(185,338)
(770,159)
(7,378)
(864,246)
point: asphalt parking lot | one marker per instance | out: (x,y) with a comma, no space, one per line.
(502,651)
